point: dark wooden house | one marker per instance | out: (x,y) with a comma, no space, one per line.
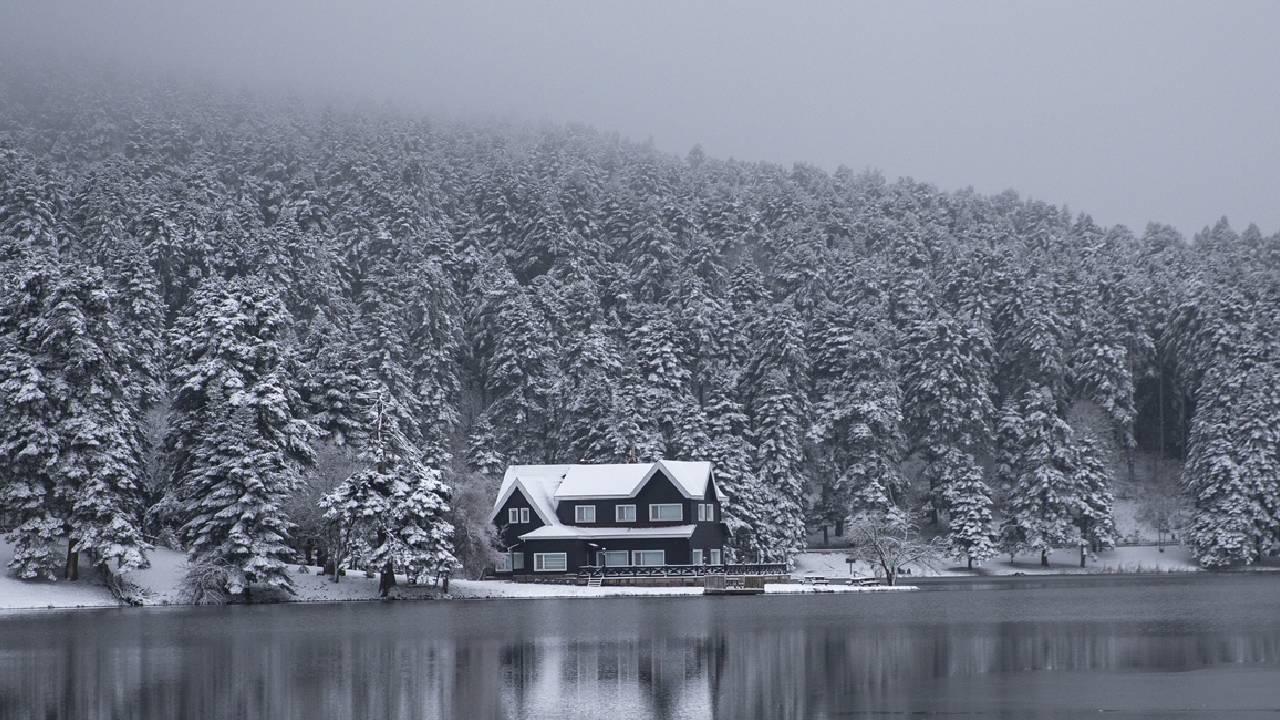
(557,519)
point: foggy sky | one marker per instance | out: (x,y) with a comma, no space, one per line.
(1131,111)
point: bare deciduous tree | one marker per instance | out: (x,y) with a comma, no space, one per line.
(891,544)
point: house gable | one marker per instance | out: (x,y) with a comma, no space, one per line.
(517,501)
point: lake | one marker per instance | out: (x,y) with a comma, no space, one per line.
(1150,647)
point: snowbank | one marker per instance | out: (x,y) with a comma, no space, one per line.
(20,594)
(1123,560)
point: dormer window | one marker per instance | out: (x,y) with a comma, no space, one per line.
(584,514)
(524,515)
(513,516)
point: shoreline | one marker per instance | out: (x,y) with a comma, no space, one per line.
(792,589)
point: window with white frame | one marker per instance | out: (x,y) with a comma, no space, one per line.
(702,512)
(648,557)
(584,513)
(614,558)
(711,512)
(517,561)
(524,515)
(715,556)
(503,564)
(513,515)
(624,513)
(550,562)
(697,556)
(660,512)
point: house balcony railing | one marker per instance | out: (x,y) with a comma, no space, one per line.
(601,571)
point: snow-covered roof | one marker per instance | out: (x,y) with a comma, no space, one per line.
(546,485)
(603,481)
(586,482)
(691,476)
(569,532)
(537,483)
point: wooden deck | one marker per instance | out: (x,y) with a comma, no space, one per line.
(733,585)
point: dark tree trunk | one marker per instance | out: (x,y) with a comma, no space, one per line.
(1044,557)
(839,528)
(386,580)
(970,562)
(825,540)
(1082,553)
(73,561)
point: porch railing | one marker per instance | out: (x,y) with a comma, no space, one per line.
(603,571)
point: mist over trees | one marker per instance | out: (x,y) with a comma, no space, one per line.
(427,302)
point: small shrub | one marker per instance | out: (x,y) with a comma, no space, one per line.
(207,584)
(169,539)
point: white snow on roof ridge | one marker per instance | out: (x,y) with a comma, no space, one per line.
(545,486)
(538,485)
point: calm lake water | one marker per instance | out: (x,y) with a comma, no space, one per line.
(1061,647)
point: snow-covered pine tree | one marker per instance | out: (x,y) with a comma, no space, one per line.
(947,407)
(71,437)
(969,534)
(1044,499)
(397,507)
(778,409)
(661,384)
(731,455)
(239,440)
(857,414)
(30,442)
(1093,480)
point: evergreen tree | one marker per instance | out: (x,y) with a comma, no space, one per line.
(238,442)
(1044,498)
(72,441)
(396,506)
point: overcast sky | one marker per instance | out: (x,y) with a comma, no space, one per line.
(1131,111)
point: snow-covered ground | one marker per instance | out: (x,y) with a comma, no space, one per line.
(1142,559)
(162,582)
(15,593)
(163,579)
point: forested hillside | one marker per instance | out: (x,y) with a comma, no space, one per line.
(220,317)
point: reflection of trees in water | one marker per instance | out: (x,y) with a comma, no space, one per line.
(817,672)
(731,666)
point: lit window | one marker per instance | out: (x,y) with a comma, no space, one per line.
(503,564)
(648,558)
(697,556)
(702,512)
(524,515)
(550,562)
(517,561)
(624,513)
(584,513)
(666,512)
(715,557)
(513,515)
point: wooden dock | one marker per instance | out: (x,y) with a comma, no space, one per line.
(733,585)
